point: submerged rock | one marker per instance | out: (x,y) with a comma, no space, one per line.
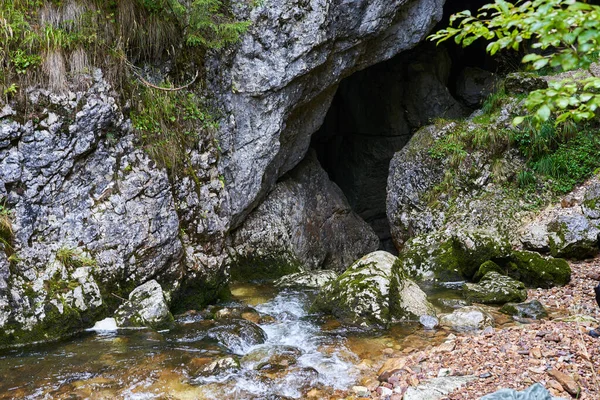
(373,290)
(532,309)
(274,357)
(237,335)
(147,306)
(306,279)
(467,318)
(494,288)
(206,367)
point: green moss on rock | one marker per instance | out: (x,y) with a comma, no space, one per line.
(263,267)
(533,309)
(495,288)
(537,271)
(488,266)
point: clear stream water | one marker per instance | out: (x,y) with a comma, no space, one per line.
(142,364)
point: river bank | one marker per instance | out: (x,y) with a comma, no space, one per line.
(512,355)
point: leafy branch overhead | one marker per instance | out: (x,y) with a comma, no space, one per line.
(562,34)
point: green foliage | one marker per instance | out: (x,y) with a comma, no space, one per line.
(525,178)
(571,163)
(564,34)
(168,125)
(6,230)
(73,259)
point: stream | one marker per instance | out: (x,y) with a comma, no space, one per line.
(301,353)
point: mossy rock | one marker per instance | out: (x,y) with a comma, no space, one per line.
(591,202)
(488,266)
(451,258)
(537,271)
(532,309)
(263,267)
(573,237)
(373,291)
(495,288)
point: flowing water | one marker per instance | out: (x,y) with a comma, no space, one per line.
(301,352)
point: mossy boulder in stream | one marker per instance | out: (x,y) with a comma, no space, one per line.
(495,288)
(147,306)
(450,257)
(537,271)
(373,290)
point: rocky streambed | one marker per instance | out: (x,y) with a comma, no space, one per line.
(264,344)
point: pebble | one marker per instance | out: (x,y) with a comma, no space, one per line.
(361,391)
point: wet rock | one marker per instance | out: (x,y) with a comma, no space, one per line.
(591,202)
(573,236)
(206,366)
(532,309)
(373,289)
(272,358)
(474,85)
(147,306)
(537,271)
(467,318)
(247,313)
(494,288)
(306,279)
(523,83)
(297,226)
(237,335)
(453,303)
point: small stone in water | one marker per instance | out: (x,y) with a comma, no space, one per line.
(428,321)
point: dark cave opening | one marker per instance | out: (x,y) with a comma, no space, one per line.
(376,111)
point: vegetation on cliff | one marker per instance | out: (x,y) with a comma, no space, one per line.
(56,43)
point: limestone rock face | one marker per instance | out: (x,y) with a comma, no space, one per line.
(494,288)
(305,222)
(283,77)
(475,85)
(373,290)
(91,214)
(147,306)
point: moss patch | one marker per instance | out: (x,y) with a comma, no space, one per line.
(263,267)
(537,271)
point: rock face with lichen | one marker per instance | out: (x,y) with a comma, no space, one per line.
(75,181)
(304,223)
(373,290)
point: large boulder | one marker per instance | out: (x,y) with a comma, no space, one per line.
(451,256)
(494,288)
(372,290)
(304,223)
(146,306)
(537,271)
(573,236)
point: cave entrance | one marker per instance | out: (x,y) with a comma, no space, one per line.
(376,111)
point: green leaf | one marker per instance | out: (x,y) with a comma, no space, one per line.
(543,113)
